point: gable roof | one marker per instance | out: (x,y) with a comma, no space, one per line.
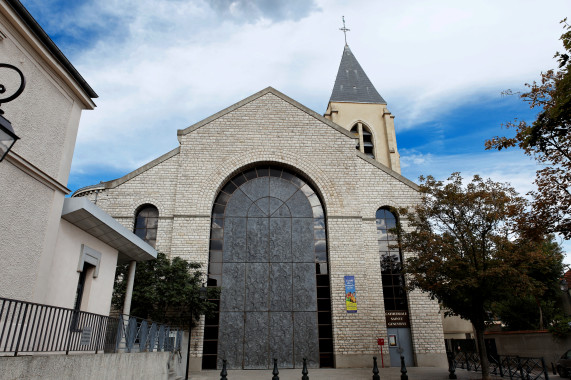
(181,132)
(352,84)
(267,90)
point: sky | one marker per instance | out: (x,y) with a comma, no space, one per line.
(441,65)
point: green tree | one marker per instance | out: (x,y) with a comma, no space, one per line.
(548,140)
(165,291)
(469,251)
(536,311)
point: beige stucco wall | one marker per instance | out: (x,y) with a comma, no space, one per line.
(46,115)
(64,275)
(29,214)
(269,129)
(378,120)
(34,174)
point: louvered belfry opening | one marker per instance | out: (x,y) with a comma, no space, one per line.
(268,252)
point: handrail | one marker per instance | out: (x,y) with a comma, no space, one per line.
(32,327)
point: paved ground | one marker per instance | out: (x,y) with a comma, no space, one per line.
(414,373)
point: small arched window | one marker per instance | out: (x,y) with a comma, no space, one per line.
(391,261)
(146,223)
(365,142)
(355,131)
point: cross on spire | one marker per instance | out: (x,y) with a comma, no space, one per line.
(345,30)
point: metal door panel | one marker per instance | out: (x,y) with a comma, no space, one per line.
(231,344)
(404,344)
(281,188)
(257,289)
(299,205)
(304,290)
(233,282)
(280,240)
(238,204)
(234,240)
(264,205)
(257,188)
(275,204)
(257,240)
(306,343)
(281,287)
(302,240)
(256,334)
(281,339)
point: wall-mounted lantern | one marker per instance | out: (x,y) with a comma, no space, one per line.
(7,135)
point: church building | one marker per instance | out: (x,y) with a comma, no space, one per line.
(290,214)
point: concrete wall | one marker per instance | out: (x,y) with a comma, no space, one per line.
(268,128)
(64,273)
(134,366)
(533,344)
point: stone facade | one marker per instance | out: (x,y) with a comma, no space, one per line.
(269,127)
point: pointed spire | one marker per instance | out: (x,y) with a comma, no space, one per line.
(352,84)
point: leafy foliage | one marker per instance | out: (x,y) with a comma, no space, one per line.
(548,140)
(470,251)
(165,291)
(561,327)
(536,311)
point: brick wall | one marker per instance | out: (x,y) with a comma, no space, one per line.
(270,127)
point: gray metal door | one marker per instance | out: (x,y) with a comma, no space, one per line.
(268,304)
(403,346)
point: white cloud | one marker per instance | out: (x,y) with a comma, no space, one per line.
(166,65)
(160,66)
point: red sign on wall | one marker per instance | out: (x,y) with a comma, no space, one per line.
(381,342)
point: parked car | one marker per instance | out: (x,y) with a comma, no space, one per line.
(564,364)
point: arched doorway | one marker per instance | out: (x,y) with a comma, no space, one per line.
(268,252)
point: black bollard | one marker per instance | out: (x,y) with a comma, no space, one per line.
(223,373)
(375,369)
(451,366)
(275,372)
(553,368)
(403,375)
(304,371)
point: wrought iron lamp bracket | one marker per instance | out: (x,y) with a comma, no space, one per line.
(18,91)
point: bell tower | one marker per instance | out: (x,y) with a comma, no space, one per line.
(356,105)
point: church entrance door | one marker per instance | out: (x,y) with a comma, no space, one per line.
(269,254)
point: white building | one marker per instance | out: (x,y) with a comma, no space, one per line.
(54,251)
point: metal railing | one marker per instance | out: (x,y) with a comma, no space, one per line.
(27,327)
(511,367)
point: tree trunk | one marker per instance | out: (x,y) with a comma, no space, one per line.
(485,365)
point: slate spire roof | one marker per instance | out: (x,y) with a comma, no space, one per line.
(352,84)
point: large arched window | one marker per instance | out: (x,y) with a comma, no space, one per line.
(391,261)
(146,223)
(365,142)
(268,252)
